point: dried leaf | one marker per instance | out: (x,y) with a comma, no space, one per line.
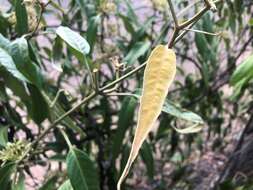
(158,76)
(192,129)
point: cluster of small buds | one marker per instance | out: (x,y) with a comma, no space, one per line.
(11,18)
(14,151)
(31,15)
(108,7)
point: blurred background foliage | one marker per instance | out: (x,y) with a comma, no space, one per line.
(45,70)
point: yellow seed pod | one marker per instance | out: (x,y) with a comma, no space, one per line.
(158,76)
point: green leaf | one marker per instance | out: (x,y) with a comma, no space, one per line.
(21,16)
(127,23)
(4,43)
(243,72)
(147,157)
(3,135)
(5,175)
(49,184)
(57,111)
(20,54)
(250,23)
(57,53)
(81,171)
(75,41)
(34,54)
(21,183)
(131,13)
(39,110)
(66,186)
(138,50)
(7,62)
(29,95)
(142,31)
(126,116)
(176,111)
(93,23)
(4,24)
(170,108)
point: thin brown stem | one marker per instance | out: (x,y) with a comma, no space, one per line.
(173,38)
(124,77)
(196,17)
(172,10)
(57,121)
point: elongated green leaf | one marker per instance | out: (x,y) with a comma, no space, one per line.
(7,62)
(20,54)
(170,108)
(39,110)
(49,184)
(243,72)
(81,171)
(92,30)
(131,14)
(127,23)
(33,99)
(142,31)
(126,116)
(3,135)
(33,53)
(4,24)
(57,52)
(57,110)
(21,16)
(5,175)
(21,183)
(147,157)
(66,186)
(138,50)
(75,41)
(4,43)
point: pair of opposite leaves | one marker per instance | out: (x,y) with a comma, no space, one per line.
(158,76)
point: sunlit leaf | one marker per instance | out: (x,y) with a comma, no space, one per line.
(66,186)
(180,113)
(20,54)
(7,62)
(74,40)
